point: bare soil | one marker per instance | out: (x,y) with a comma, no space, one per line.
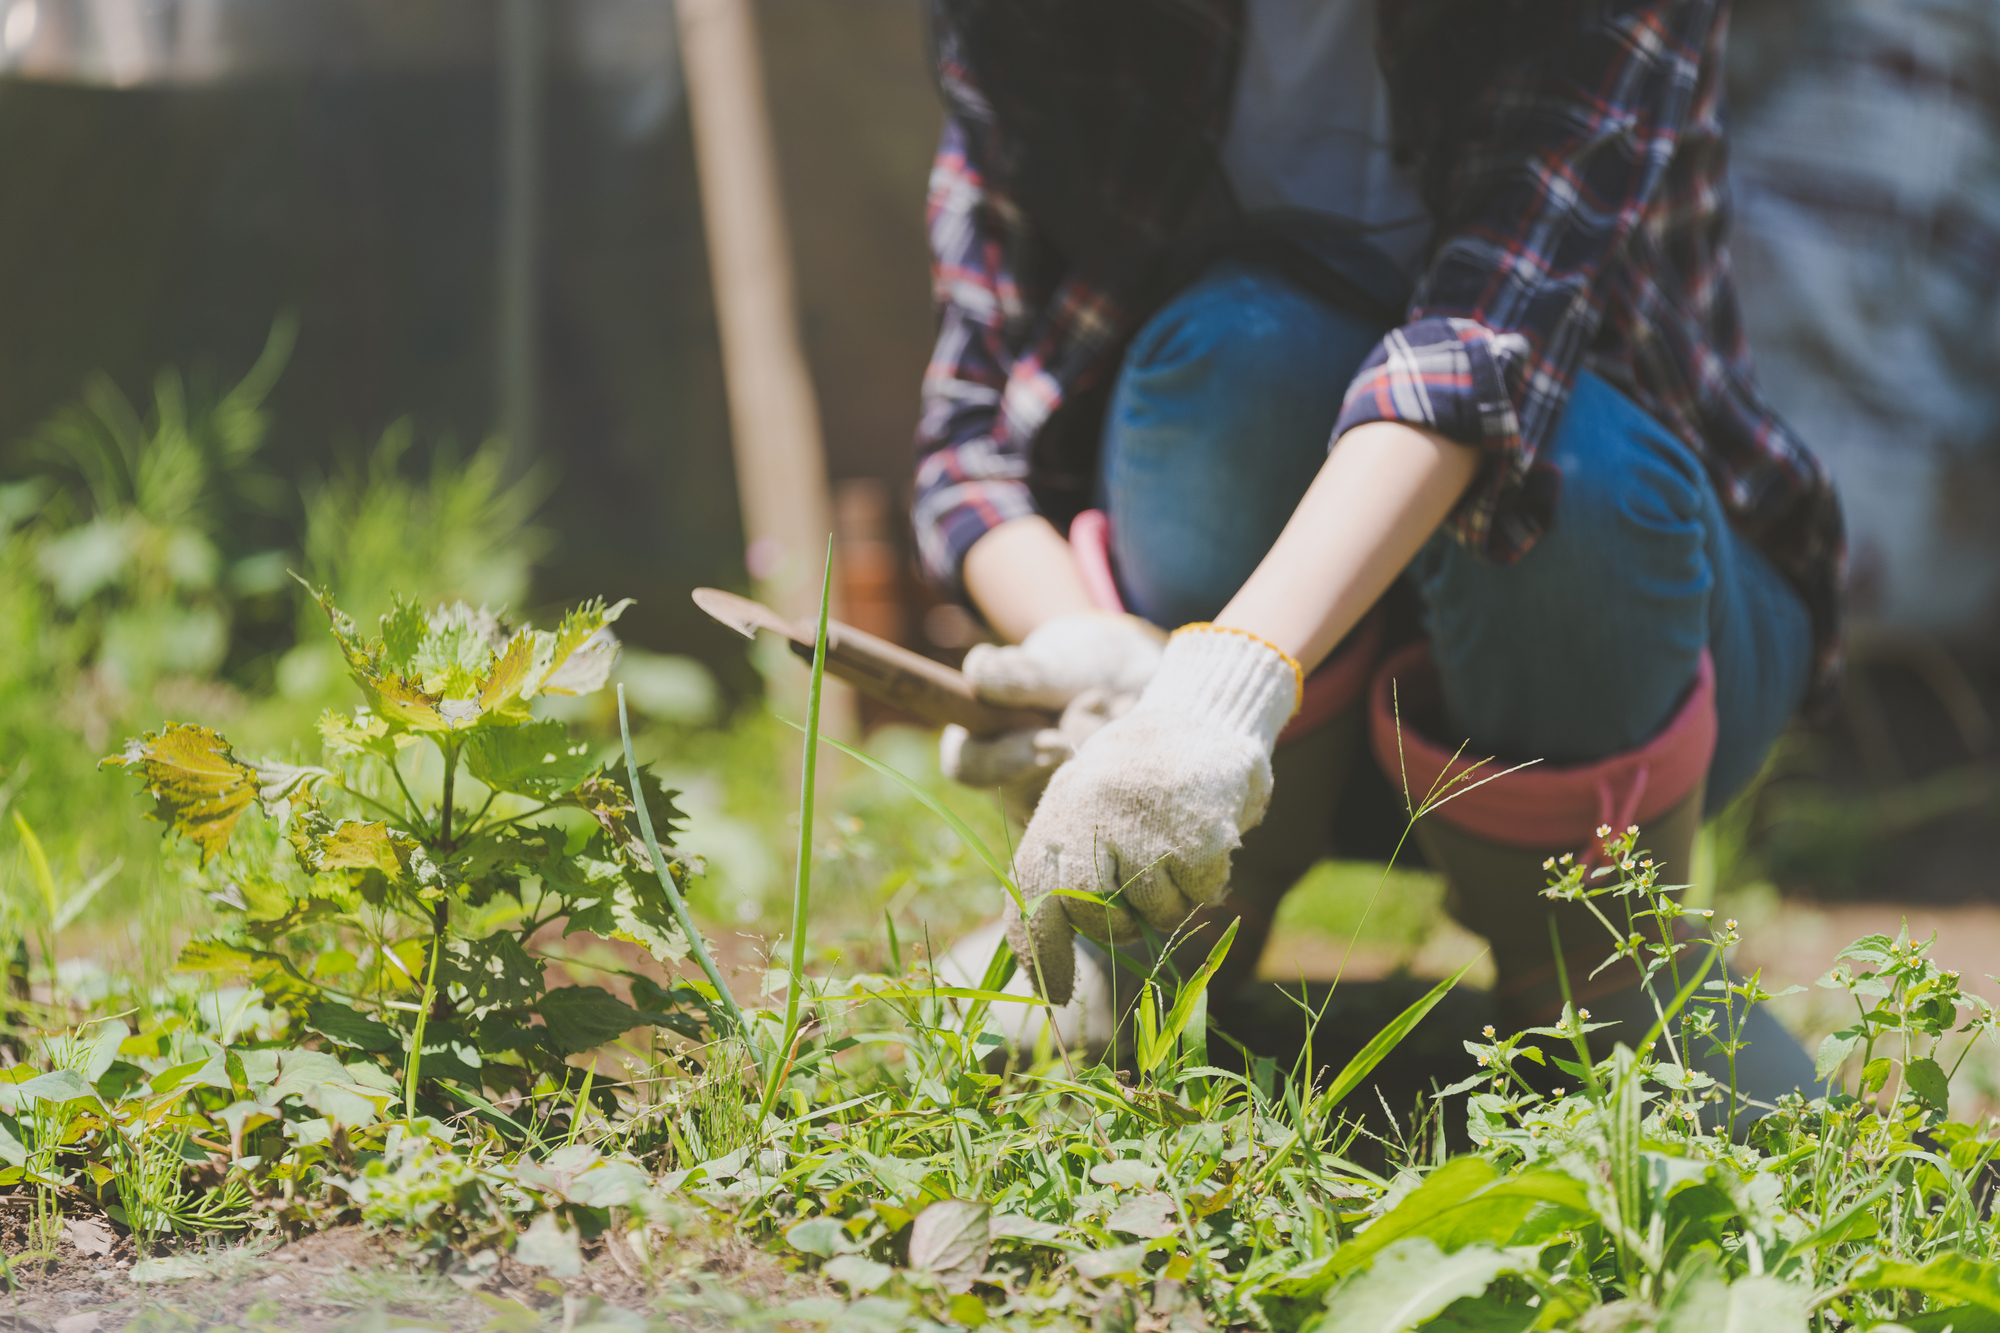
(346,1278)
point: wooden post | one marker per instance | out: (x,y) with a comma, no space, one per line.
(773,415)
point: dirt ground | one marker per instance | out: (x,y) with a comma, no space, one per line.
(347,1279)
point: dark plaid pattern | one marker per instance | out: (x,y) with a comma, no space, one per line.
(1581,221)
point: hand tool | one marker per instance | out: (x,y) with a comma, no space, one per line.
(878,668)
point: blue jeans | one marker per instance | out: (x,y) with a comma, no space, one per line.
(1582,649)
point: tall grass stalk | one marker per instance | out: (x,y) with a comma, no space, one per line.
(739,1029)
(802,885)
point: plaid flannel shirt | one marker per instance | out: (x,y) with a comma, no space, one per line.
(1585,225)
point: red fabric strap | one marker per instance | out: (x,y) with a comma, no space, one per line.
(1542,807)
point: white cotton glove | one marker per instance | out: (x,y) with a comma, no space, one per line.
(1090,666)
(1151,808)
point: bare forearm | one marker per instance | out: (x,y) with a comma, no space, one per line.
(1380,494)
(1020,576)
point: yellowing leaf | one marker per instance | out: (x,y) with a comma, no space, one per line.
(353,845)
(362,733)
(199,787)
(503,684)
(403,702)
(584,650)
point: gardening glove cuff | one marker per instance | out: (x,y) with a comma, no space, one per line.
(1145,818)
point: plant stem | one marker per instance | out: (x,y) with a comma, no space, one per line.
(802,886)
(413,1066)
(416,811)
(444,811)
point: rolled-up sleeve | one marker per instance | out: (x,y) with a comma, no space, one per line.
(971,473)
(1566,159)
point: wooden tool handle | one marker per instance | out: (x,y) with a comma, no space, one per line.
(878,668)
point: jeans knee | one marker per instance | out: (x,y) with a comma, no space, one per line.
(1243,343)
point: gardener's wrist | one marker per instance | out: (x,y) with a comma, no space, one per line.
(1217,676)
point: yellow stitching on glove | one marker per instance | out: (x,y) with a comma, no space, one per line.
(1298,672)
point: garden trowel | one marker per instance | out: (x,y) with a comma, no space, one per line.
(876,667)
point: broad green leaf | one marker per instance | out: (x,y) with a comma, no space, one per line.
(949,1240)
(537,760)
(298,1073)
(546,1244)
(1448,1186)
(1950,1277)
(1956,1318)
(823,1236)
(1833,1053)
(199,787)
(1484,1314)
(1707,1304)
(1410,1282)
(582,1018)
(330,1018)
(273,972)
(1149,1216)
(491,973)
(63,1085)
(1928,1084)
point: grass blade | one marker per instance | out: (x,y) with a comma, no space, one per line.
(696,944)
(1391,1036)
(802,886)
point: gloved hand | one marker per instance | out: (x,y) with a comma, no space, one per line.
(1153,805)
(1090,666)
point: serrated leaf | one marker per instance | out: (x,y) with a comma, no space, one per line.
(949,1240)
(1410,1282)
(500,690)
(607,798)
(354,845)
(491,972)
(349,1027)
(363,733)
(199,787)
(402,633)
(583,650)
(582,1018)
(1929,1083)
(537,759)
(457,647)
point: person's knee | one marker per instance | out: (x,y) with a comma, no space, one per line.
(1583,647)
(1243,343)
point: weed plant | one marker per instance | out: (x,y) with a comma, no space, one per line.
(880,1128)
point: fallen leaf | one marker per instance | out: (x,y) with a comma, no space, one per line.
(89,1235)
